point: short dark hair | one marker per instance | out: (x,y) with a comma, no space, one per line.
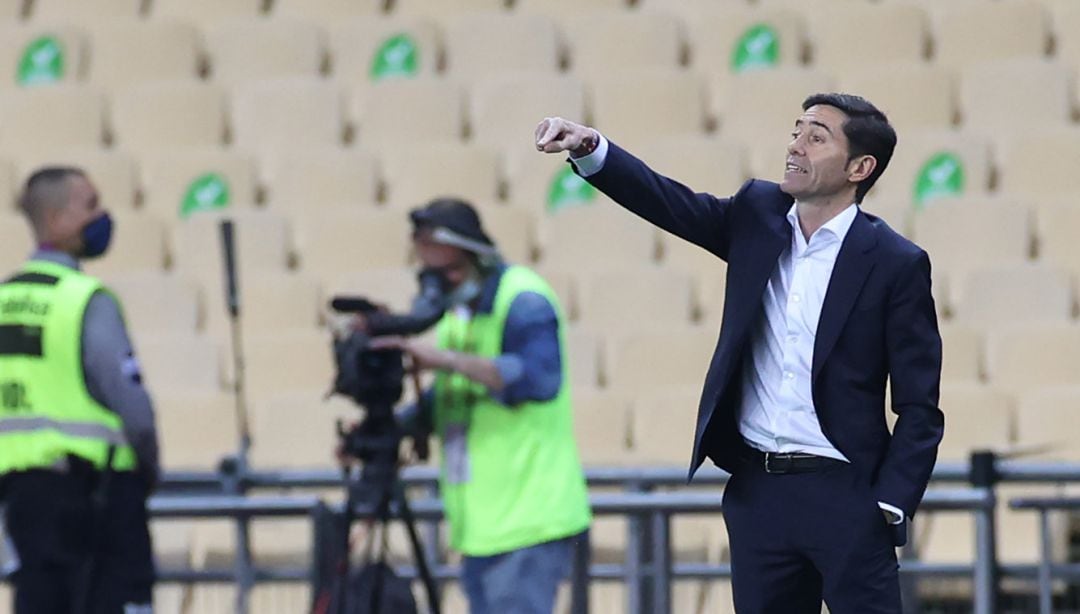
(46,187)
(867,130)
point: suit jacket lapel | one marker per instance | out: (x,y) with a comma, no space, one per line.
(853,265)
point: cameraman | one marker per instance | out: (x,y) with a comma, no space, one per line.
(511,480)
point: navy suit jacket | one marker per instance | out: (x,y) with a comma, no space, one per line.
(877,322)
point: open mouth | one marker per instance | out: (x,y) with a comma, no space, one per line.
(794,168)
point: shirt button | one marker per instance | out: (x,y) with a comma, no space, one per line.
(795,298)
(792,338)
(789,375)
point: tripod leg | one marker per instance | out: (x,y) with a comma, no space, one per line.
(418,553)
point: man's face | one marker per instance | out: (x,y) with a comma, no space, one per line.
(65,224)
(817,161)
(451,261)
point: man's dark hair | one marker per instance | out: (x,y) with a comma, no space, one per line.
(46,187)
(867,130)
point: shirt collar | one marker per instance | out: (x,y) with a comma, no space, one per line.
(485,303)
(838,226)
(55,256)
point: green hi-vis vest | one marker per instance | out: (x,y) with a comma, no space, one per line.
(46,412)
(510,476)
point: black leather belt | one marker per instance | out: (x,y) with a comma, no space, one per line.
(791,462)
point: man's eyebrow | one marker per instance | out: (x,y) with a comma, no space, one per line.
(813,122)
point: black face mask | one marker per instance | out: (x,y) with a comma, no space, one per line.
(96,236)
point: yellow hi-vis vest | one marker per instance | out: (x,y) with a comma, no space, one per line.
(46,412)
(511,476)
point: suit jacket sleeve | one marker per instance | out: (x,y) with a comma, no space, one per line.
(913,345)
(702,219)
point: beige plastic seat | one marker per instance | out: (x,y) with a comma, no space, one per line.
(636,107)
(183,418)
(326,11)
(205,12)
(618,300)
(303,180)
(524,43)
(295,428)
(914,95)
(702,163)
(962,353)
(9,186)
(1057,243)
(417,174)
(754,106)
(986,105)
(398,112)
(14,42)
(138,245)
(1043,414)
(169,175)
(130,51)
(715,28)
(113,173)
(446,10)
(393,286)
(155,303)
(356,44)
(557,9)
(649,358)
(601,426)
(899,31)
(1006,294)
(583,354)
(1024,358)
(718,599)
(970,32)
(599,41)
(341,240)
(514,230)
(287,113)
(169,598)
(663,423)
(1065,23)
(949,155)
(18,241)
(504,109)
(41,118)
(179,362)
(168,114)
(1041,163)
(708,272)
(11,9)
(541,182)
(981,418)
(596,237)
(263,243)
(80,10)
(254,48)
(269,300)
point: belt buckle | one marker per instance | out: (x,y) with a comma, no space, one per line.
(774,456)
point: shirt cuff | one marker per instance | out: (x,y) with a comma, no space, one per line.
(896,516)
(592,163)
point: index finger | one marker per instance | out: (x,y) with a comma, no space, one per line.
(554,128)
(541,128)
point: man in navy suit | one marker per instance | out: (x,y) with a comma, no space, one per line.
(824,303)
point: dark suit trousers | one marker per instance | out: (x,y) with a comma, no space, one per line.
(798,538)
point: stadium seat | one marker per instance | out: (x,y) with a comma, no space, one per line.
(393,286)
(650,358)
(601,426)
(544,182)
(18,241)
(308,179)
(263,244)
(913,94)
(1056,229)
(1041,163)
(756,105)
(83,10)
(41,54)
(370,49)
(417,174)
(399,112)
(11,10)
(183,418)
(981,418)
(583,354)
(326,12)
(623,299)
(557,9)
(727,39)
(594,238)
(718,597)
(899,32)
(43,118)
(180,182)
(599,41)
(662,425)
(169,598)
(295,428)
(205,12)
(179,362)
(514,231)
(282,542)
(564,284)
(1041,414)
(898,213)
(986,105)
(341,240)
(10,186)
(269,301)
(138,245)
(154,303)
(702,163)
(287,113)
(525,43)
(1009,294)
(446,10)
(504,109)
(962,353)
(636,107)
(932,164)
(969,32)
(128,52)
(252,49)
(1027,357)
(168,114)
(113,173)
(1065,22)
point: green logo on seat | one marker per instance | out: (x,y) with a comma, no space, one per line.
(942,176)
(567,190)
(757,48)
(42,62)
(208,192)
(398,56)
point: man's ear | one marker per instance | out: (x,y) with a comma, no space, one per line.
(861,167)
